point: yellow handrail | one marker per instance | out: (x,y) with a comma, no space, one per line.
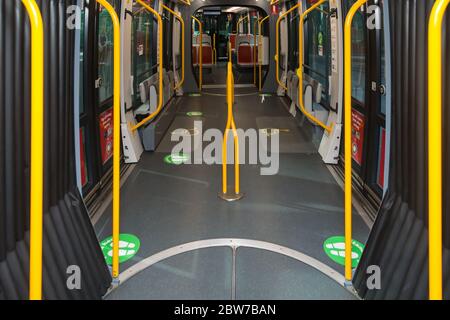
(230,126)
(272,2)
(260,49)
(187,2)
(200,60)
(435,148)
(37,148)
(277,43)
(116,142)
(160,65)
(239,22)
(179,18)
(214,49)
(300,67)
(348,135)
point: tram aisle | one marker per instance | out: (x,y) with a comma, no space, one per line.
(167,205)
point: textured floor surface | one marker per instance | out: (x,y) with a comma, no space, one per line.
(167,205)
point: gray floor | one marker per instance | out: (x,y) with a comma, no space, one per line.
(168,205)
(207,274)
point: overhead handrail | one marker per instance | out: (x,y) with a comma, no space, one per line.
(200,60)
(116,143)
(37,148)
(348,134)
(300,67)
(230,126)
(186,2)
(260,45)
(179,18)
(435,148)
(160,67)
(277,43)
(273,2)
(239,22)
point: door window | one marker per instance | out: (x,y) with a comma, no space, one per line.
(105,55)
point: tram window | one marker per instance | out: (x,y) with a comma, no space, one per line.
(142,47)
(359,58)
(383,77)
(105,55)
(293,40)
(81,70)
(317,57)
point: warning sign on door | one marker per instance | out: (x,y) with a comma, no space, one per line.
(358,120)
(106,134)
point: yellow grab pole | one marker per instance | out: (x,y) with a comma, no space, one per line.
(435,148)
(200,27)
(179,18)
(230,126)
(37,148)
(214,49)
(348,135)
(277,43)
(160,67)
(116,142)
(260,46)
(300,67)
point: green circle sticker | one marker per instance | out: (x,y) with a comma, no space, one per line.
(194,114)
(334,247)
(128,247)
(176,159)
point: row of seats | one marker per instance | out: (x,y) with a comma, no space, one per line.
(243,47)
(148,91)
(207,51)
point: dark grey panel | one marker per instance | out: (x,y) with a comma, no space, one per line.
(69,238)
(398,243)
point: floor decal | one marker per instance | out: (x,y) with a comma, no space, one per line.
(176,159)
(334,247)
(194,114)
(128,247)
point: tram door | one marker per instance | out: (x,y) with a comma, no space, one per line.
(368,99)
(96,113)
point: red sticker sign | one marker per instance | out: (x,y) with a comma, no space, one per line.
(358,121)
(106,134)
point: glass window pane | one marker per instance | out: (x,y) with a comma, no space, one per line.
(105,55)
(318,46)
(142,47)
(359,58)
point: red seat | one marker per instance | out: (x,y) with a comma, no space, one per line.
(245,55)
(207,55)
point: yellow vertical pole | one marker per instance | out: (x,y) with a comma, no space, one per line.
(200,27)
(435,148)
(37,148)
(116,146)
(179,18)
(277,44)
(348,135)
(260,46)
(160,66)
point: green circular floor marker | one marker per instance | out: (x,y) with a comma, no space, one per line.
(128,247)
(194,114)
(334,247)
(176,159)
